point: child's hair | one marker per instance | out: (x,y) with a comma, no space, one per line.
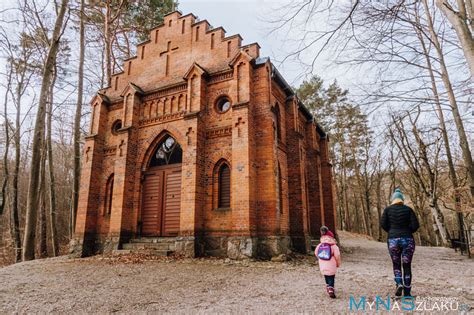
(324,230)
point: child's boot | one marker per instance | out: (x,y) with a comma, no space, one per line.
(331,292)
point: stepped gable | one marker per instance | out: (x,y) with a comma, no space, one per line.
(173,47)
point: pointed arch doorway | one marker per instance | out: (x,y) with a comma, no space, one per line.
(162,190)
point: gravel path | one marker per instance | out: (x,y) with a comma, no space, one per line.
(124,285)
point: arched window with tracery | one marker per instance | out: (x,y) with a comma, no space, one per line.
(109,191)
(168,152)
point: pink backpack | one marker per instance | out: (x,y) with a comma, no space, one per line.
(324,251)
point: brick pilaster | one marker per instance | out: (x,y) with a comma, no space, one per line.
(89,191)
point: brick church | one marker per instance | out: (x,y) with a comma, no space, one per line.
(200,143)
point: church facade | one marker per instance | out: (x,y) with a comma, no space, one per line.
(201,141)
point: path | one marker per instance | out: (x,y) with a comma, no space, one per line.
(207,285)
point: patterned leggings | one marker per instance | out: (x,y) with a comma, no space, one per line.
(401,251)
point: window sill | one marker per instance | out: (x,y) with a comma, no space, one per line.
(222,209)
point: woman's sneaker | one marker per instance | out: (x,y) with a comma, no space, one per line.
(407,292)
(331,293)
(399,290)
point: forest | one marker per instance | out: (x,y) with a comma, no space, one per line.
(410,124)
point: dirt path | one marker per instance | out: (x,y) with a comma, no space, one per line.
(98,285)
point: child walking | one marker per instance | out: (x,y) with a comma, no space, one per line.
(329,258)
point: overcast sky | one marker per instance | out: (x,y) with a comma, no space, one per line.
(249,19)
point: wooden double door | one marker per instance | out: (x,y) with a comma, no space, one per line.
(161,201)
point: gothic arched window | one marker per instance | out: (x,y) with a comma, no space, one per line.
(278,121)
(167,152)
(280,188)
(109,191)
(223,186)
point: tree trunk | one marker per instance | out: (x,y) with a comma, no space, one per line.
(15,216)
(7,144)
(459,22)
(432,192)
(417,161)
(338,205)
(378,193)
(32,201)
(52,182)
(365,197)
(344,187)
(466,151)
(439,221)
(444,132)
(43,236)
(77,123)
(356,227)
(368,214)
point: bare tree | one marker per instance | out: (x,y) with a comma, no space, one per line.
(32,201)
(43,236)
(378,182)
(110,28)
(462,22)
(444,130)
(77,120)
(52,181)
(423,166)
(3,195)
(20,56)
(411,54)
(466,151)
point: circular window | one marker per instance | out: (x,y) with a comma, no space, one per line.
(116,126)
(223,104)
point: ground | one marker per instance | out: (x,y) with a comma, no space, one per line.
(131,284)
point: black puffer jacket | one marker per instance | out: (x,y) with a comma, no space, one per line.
(399,220)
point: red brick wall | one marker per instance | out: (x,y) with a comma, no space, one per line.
(179,99)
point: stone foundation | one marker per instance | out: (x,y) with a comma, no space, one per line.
(272,246)
(82,247)
(108,245)
(187,246)
(245,247)
(241,247)
(234,247)
(93,246)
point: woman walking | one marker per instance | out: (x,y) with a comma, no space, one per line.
(400,222)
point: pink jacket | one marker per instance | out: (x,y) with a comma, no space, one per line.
(329,267)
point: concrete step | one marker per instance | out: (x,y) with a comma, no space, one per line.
(153,240)
(148,251)
(157,246)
